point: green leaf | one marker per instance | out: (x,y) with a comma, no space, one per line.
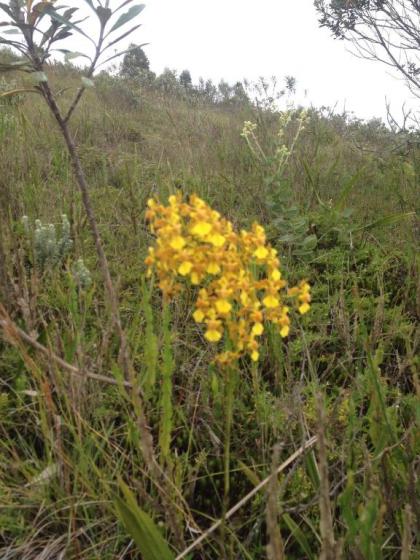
(63,34)
(310,242)
(348,509)
(386,221)
(287,238)
(69,13)
(312,469)
(122,36)
(299,535)
(69,55)
(249,473)
(121,53)
(38,11)
(339,205)
(141,528)
(87,82)
(127,16)
(122,5)
(58,17)
(38,77)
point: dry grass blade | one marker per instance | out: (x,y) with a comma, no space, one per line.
(14,334)
(300,451)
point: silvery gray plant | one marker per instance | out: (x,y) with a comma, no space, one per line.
(81,274)
(51,248)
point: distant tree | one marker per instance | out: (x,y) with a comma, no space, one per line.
(290,84)
(167,82)
(239,95)
(225,91)
(135,63)
(210,91)
(206,90)
(7,55)
(185,79)
(384,30)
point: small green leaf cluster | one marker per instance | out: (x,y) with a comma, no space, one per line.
(35,29)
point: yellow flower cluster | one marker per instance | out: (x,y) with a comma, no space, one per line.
(238,277)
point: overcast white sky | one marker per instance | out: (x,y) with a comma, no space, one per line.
(235,39)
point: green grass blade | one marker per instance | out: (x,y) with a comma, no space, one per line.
(141,528)
(299,535)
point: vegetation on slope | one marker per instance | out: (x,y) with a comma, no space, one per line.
(339,200)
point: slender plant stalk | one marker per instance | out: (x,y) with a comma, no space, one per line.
(128,369)
(330,549)
(162,483)
(4,281)
(229,388)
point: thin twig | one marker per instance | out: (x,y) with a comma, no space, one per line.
(13,332)
(310,443)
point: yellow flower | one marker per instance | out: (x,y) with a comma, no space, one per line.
(244,298)
(276,275)
(185,268)
(304,308)
(217,240)
(198,316)
(178,243)
(223,306)
(195,279)
(255,356)
(284,331)
(261,253)
(271,302)
(213,268)
(305,288)
(212,335)
(201,229)
(195,241)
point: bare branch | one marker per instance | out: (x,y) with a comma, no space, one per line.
(386,31)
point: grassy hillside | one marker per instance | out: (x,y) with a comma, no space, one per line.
(339,200)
